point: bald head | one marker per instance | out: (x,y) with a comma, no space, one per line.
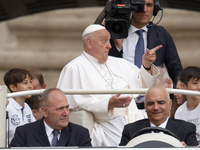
(157,104)
(55,108)
(157,90)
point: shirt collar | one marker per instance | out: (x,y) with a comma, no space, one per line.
(90,57)
(132,29)
(163,125)
(93,59)
(15,104)
(48,128)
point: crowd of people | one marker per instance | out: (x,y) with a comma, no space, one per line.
(43,120)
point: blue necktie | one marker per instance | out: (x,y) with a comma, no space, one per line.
(54,141)
(139,50)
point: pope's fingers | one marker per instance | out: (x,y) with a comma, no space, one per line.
(147,52)
(156,48)
(150,52)
(151,56)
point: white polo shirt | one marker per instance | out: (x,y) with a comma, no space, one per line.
(17,116)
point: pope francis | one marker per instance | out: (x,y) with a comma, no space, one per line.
(94,69)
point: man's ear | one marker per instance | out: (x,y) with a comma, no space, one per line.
(169,83)
(12,87)
(145,107)
(89,43)
(44,111)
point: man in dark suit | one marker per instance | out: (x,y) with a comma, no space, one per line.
(153,36)
(158,105)
(55,109)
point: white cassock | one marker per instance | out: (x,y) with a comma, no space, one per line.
(85,72)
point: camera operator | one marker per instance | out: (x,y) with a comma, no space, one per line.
(153,36)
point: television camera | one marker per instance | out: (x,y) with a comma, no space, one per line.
(117,14)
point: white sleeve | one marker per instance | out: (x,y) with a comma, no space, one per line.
(149,80)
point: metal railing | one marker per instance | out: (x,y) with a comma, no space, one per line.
(100,91)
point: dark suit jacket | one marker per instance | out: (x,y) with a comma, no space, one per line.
(34,135)
(167,55)
(185,131)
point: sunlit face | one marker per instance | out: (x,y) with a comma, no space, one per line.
(141,19)
(194,85)
(179,97)
(157,105)
(100,45)
(25,85)
(57,112)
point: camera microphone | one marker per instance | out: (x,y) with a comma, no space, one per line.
(151,22)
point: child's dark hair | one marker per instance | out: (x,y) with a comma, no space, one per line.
(34,102)
(188,73)
(15,76)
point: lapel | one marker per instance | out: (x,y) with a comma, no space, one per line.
(147,124)
(151,37)
(40,133)
(65,136)
(139,125)
(142,124)
(172,126)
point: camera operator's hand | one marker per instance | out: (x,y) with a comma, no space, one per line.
(118,43)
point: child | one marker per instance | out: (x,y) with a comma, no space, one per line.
(35,103)
(178,99)
(190,109)
(19,112)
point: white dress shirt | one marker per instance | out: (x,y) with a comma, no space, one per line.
(130,42)
(49,132)
(163,125)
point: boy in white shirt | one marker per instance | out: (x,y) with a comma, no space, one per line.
(190,109)
(19,112)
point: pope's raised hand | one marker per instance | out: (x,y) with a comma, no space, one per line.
(150,56)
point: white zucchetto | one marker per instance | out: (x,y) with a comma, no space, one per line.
(92,28)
